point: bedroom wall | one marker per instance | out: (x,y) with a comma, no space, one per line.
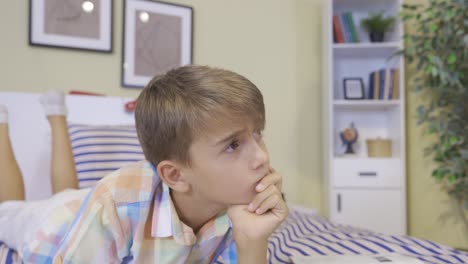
(277,45)
(258,39)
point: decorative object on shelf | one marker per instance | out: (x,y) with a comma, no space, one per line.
(377,25)
(348,137)
(83,25)
(353,89)
(157,37)
(441,78)
(379,148)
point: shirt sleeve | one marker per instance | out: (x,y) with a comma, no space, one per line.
(96,234)
(229,254)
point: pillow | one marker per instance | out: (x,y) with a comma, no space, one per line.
(99,150)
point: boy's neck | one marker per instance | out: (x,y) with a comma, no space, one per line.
(192,211)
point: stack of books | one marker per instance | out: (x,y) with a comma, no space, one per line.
(384,84)
(344,28)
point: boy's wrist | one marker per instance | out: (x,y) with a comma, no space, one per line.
(252,251)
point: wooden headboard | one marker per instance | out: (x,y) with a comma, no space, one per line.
(30,132)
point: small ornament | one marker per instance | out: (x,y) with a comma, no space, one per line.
(349,136)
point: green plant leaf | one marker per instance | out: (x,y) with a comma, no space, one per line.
(439,173)
(437,46)
(453,140)
(452,58)
(429,69)
(451,178)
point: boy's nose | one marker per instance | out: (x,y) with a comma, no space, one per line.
(260,157)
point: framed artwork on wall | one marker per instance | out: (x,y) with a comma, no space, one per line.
(73,24)
(157,37)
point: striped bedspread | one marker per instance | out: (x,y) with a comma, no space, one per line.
(7,255)
(308,234)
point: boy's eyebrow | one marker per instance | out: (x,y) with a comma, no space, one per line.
(230,136)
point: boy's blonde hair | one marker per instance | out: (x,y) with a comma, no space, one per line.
(178,106)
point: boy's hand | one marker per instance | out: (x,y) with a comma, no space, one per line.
(254,223)
(260,204)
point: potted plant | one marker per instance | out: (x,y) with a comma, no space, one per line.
(377,25)
(438,48)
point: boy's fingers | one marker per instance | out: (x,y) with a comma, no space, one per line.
(260,197)
(280,210)
(268,204)
(271,179)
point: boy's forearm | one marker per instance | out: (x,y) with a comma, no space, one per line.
(252,252)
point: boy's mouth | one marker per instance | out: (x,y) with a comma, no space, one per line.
(261,178)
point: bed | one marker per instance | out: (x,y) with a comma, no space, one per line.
(304,233)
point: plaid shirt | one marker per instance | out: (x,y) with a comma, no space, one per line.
(129,217)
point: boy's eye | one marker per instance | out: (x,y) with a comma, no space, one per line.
(233,146)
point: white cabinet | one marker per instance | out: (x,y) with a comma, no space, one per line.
(374,209)
(364,191)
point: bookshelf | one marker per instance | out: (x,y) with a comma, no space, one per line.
(364,191)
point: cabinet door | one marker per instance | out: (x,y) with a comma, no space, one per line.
(377,210)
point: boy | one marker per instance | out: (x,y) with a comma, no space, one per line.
(207,167)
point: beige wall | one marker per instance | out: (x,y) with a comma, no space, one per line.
(275,43)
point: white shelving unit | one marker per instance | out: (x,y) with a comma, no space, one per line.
(362,191)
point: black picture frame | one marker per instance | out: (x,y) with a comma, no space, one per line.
(353,88)
(67,24)
(157,36)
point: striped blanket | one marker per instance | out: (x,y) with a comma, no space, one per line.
(308,234)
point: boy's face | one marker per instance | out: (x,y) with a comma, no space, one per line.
(226,163)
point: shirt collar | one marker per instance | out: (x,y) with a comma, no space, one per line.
(166,222)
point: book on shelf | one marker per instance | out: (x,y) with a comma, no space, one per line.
(352,26)
(375,86)
(344,28)
(396,85)
(384,84)
(337,30)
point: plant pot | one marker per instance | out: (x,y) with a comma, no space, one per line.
(376,36)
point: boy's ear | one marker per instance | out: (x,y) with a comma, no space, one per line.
(170,172)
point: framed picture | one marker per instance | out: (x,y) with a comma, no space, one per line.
(73,24)
(157,37)
(353,89)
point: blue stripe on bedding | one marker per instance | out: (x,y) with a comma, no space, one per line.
(309,235)
(104,136)
(9,258)
(105,161)
(99,170)
(9,253)
(105,129)
(108,152)
(100,150)
(106,144)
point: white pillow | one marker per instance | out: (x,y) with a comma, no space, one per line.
(99,150)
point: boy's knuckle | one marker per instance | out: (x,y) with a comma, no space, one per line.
(276,199)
